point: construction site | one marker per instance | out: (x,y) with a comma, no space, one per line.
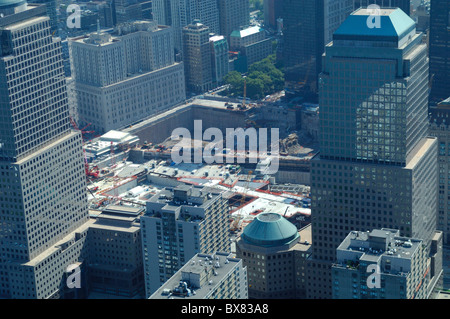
(123,169)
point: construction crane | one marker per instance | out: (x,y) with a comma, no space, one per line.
(89,172)
(236,223)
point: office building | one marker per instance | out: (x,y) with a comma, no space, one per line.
(51,12)
(44,214)
(233,14)
(303,43)
(180,13)
(126,76)
(178,224)
(269,247)
(377,168)
(335,12)
(127,11)
(404,5)
(220,60)
(197,58)
(207,276)
(380,265)
(439,48)
(253,45)
(439,127)
(115,266)
(272,11)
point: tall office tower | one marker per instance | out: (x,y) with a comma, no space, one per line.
(207,276)
(180,13)
(377,167)
(178,224)
(197,58)
(335,12)
(303,42)
(115,267)
(273,10)
(440,127)
(43,185)
(269,248)
(126,76)
(51,12)
(439,48)
(402,263)
(405,5)
(220,61)
(233,14)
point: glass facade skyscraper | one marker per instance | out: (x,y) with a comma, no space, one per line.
(377,167)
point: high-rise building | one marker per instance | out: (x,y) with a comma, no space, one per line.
(405,5)
(272,11)
(233,14)
(51,12)
(207,276)
(440,127)
(381,265)
(303,42)
(115,266)
(335,12)
(178,224)
(269,247)
(44,212)
(123,77)
(197,57)
(220,60)
(180,13)
(376,168)
(439,48)
(127,11)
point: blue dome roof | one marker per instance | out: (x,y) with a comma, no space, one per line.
(270,230)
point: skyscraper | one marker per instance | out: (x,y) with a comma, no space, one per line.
(303,41)
(180,13)
(376,168)
(439,44)
(43,220)
(233,14)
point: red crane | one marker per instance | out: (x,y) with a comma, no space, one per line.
(89,172)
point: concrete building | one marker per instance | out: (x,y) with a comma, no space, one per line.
(272,11)
(271,249)
(127,11)
(335,12)
(197,58)
(44,212)
(233,14)
(207,276)
(252,43)
(377,168)
(439,46)
(178,224)
(124,77)
(115,266)
(400,264)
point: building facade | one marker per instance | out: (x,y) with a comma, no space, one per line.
(197,57)
(439,46)
(405,5)
(380,265)
(218,275)
(377,168)
(220,60)
(177,225)
(127,76)
(44,212)
(233,14)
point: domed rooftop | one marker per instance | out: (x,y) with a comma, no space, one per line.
(270,230)
(11,3)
